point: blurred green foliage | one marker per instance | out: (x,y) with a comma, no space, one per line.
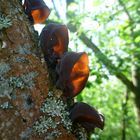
(114,26)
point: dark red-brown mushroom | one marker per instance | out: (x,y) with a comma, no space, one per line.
(73,72)
(54,42)
(87,116)
(37,10)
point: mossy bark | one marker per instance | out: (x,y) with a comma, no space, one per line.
(23,77)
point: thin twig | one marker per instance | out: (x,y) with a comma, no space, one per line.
(56,11)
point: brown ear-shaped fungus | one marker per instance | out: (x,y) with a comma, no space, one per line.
(87,116)
(73,73)
(54,42)
(37,10)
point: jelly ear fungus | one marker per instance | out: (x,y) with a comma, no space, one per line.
(37,10)
(73,72)
(54,42)
(87,116)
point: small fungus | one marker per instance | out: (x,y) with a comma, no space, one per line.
(87,116)
(73,72)
(54,42)
(37,10)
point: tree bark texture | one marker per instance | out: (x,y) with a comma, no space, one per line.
(24,83)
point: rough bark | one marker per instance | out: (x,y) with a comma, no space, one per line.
(24,83)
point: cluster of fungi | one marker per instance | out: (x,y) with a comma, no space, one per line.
(71,68)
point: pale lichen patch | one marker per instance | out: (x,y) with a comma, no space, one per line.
(56,107)
(6,105)
(25,49)
(23,81)
(26,134)
(7,86)
(16,82)
(53,135)
(4,68)
(5,89)
(44,124)
(56,114)
(80,132)
(5,21)
(20,59)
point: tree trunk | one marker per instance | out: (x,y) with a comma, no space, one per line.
(136,82)
(25,112)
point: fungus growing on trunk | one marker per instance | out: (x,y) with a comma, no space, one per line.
(73,72)
(54,42)
(37,10)
(87,116)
